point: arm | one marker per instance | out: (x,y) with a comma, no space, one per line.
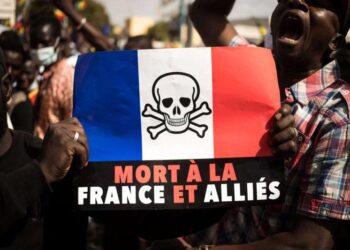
(21,188)
(56,99)
(210,19)
(18,190)
(308,234)
(329,161)
(93,35)
(22,117)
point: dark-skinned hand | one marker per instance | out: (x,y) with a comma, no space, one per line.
(283,133)
(59,148)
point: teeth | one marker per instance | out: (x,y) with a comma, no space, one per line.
(287,39)
(176,122)
(291,29)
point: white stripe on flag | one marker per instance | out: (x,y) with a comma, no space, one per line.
(186,144)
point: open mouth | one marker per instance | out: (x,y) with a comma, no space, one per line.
(291,29)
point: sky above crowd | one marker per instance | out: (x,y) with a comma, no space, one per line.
(121,9)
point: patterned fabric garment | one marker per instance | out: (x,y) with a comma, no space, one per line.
(318,180)
(55,96)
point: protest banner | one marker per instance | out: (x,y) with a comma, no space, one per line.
(177,128)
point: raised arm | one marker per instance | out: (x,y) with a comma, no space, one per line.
(93,35)
(210,19)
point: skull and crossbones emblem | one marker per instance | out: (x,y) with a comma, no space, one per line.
(176,94)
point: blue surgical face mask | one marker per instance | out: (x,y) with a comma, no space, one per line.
(45,56)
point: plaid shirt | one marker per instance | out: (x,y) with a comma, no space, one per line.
(318,182)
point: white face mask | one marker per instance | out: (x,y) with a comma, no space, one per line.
(45,56)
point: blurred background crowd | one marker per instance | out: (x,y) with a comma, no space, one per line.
(41,40)
(165,22)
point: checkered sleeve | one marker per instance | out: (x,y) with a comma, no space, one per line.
(325,179)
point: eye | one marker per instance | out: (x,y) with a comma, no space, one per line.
(185,101)
(167,102)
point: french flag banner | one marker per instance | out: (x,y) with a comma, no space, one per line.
(177,128)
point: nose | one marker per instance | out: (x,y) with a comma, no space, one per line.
(298,4)
(176,111)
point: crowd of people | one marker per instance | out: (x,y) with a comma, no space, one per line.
(46,146)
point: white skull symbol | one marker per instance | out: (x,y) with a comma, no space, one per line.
(176,95)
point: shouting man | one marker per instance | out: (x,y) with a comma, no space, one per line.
(315,213)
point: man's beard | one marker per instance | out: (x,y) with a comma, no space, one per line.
(3,114)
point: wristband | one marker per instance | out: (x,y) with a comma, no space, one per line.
(82,23)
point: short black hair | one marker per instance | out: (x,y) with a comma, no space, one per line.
(44,20)
(10,41)
(139,42)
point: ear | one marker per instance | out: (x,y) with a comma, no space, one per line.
(6,88)
(337,42)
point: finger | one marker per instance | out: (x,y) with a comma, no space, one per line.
(76,127)
(288,134)
(70,131)
(84,142)
(81,153)
(283,111)
(71,121)
(286,109)
(82,139)
(285,148)
(75,121)
(285,122)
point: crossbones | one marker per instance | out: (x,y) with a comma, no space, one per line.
(176,95)
(155,131)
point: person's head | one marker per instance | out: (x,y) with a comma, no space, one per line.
(306,32)
(12,47)
(5,92)
(138,42)
(83,46)
(28,74)
(44,36)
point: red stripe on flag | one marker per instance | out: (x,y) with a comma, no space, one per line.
(245,97)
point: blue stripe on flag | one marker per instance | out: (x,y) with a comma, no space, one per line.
(101,80)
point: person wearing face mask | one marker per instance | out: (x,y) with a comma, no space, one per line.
(46,56)
(54,102)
